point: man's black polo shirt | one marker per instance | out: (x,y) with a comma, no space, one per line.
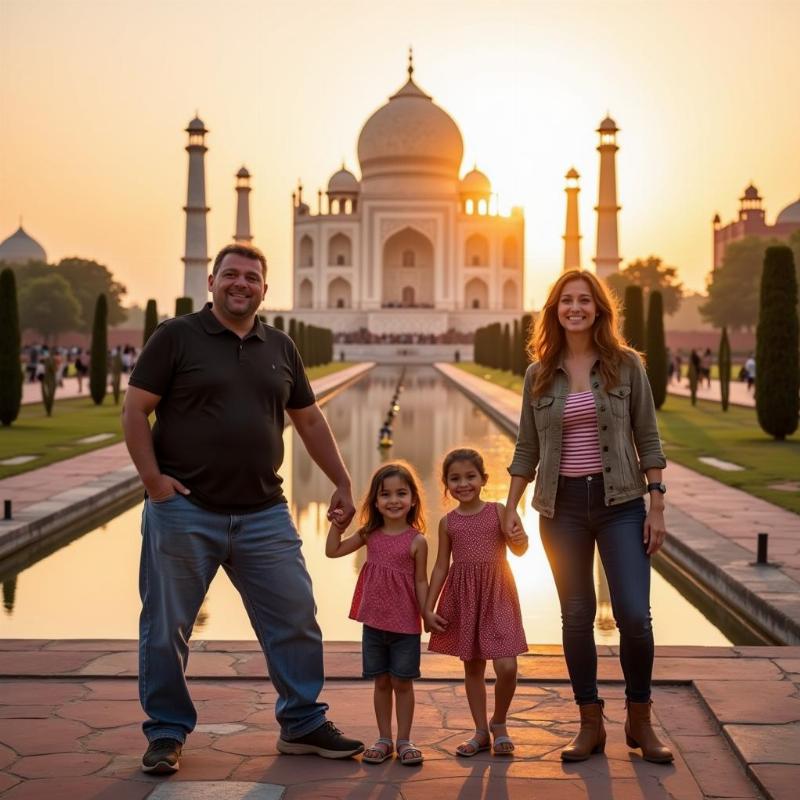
(219,424)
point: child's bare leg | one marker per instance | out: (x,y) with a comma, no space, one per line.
(382,698)
(506,671)
(475,685)
(404,706)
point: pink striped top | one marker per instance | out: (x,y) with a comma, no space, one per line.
(580,444)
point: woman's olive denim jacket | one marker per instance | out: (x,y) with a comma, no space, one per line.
(626,421)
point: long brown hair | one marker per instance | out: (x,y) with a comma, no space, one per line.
(548,340)
(370,517)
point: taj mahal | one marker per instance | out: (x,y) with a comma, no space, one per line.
(411,246)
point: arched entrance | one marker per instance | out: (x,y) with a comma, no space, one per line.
(408,265)
(339,294)
(476,294)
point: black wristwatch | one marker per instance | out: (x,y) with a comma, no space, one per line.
(657,487)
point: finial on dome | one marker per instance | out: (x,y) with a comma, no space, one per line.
(410,62)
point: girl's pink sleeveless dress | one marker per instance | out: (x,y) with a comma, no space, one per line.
(479,599)
(385,597)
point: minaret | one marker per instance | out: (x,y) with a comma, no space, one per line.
(572,235)
(242,234)
(607,254)
(195,259)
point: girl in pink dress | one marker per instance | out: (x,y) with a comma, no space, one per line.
(389,596)
(478,617)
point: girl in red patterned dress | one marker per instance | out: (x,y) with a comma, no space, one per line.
(478,617)
(389,596)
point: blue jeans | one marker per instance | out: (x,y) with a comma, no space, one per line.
(582,519)
(182,548)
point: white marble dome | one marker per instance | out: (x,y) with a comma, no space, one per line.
(19,248)
(410,133)
(343,182)
(476,182)
(790,214)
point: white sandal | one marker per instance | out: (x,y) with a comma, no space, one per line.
(503,739)
(405,746)
(383,746)
(477,747)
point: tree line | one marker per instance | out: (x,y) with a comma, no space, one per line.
(57,298)
(315,345)
(777,392)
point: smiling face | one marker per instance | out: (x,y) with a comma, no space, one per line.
(464,481)
(237,288)
(577,309)
(394,499)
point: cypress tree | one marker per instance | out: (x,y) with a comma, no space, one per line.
(150,320)
(724,361)
(116,376)
(656,349)
(277,323)
(633,327)
(505,348)
(10,367)
(311,345)
(98,363)
(516,351)
(183,306)
(777,340)
(693,379)
(49,385)
(293,330)
(497,348)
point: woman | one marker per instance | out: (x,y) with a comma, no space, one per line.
(588,427)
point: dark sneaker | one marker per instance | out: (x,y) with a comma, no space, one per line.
(162,757)
(326,741)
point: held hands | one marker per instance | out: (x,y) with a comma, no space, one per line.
(655,529)
(163,487)
(434,623)
(512,527)
(341,509)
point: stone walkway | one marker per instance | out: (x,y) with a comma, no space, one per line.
(67,491)
(38,485)
(738,394)
(716,521)
(70,728)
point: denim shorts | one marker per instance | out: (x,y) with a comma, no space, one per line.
(395,653)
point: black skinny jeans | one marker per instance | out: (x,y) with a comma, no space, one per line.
(580,520)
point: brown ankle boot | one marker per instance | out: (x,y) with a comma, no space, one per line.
(639,733)
(591,737)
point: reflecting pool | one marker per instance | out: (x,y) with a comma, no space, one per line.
(88,587)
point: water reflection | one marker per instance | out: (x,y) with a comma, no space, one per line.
(88,587)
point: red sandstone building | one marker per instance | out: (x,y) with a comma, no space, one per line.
(752,222)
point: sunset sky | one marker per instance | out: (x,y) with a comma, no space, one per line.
(95,94)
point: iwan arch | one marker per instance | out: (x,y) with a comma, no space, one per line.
(411,247)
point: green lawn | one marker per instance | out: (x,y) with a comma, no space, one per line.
(691,432)
(56,438)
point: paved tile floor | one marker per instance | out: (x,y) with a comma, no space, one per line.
(82,739)
(70,728)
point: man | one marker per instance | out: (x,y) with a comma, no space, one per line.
(219,381)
